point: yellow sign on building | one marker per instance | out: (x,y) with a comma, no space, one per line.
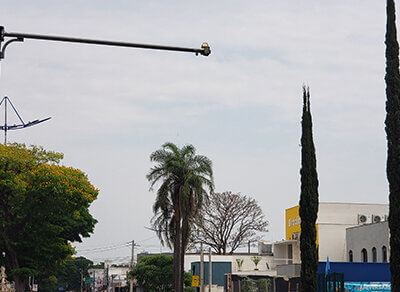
(195,281)
(293,223)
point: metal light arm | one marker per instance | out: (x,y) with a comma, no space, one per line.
(3,49)
(204,49)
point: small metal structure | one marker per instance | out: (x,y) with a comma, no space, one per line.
(7,127)
(19,37)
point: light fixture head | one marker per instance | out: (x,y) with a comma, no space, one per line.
(206,49)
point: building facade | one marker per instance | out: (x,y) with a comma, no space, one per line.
(332,222)
(368,243)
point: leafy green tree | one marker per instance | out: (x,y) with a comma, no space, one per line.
(263,285)
(67,275)
(392,122)
(48,284)
(155,273)
(308,200)
(43,208)
(248,285)
(71,271)
(183,177)
(187,281)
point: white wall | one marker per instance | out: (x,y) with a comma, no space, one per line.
(368,236)
(333,219)
(347,213)
(332,242)
(281,256)
(248,265)
(117,273)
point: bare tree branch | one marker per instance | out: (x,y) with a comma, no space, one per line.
(229,221)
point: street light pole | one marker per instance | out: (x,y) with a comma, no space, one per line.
(20,37)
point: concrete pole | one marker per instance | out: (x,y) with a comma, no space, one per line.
(131,266)
(94,280)
(81,272)
(209,271)
(201,268)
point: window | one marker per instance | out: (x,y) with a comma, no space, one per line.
(350,256)
(384,254)
(374,254)
(364,256)
(290,254)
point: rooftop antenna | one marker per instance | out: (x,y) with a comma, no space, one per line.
(6,127)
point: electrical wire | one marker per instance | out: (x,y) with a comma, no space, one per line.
(104,248)
(154,236)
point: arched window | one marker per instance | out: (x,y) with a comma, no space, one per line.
(364,256)
(350,256)
(374,254)
(384,254)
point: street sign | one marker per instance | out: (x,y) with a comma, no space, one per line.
(88,280)
(195,281)
(99,283)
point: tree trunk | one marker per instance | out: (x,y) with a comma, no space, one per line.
(19,283)
(12,262)
(177,257)
(183,249)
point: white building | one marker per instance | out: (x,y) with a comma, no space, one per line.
(111,276)
(332,222)
(368,243)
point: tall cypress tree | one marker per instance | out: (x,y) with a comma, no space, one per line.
(392,123)
(308,200)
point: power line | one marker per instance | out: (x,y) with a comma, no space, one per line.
(116,246)
(103,249)
(147,239)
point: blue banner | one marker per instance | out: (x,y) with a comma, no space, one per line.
(367,286)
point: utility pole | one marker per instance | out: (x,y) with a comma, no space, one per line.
(201,268)
(106,280)
(133,253)
(209,271)
(81,272)
(5,122)
(131,265)
(94,280)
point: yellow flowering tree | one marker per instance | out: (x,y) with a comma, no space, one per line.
(43,208)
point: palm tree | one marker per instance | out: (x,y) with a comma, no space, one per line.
(184,178)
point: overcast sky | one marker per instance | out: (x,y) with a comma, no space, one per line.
(241,106)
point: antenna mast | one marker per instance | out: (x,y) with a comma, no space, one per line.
(7,127)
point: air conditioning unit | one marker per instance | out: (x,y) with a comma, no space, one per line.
(364,219)
(378,218)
